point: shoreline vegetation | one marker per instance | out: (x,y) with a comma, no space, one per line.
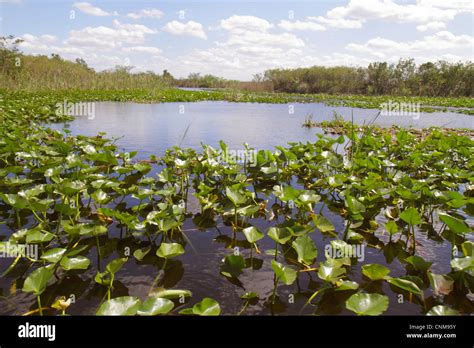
(437,87)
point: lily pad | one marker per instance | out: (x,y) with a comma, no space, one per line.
(169,250)
(155,306)
(126,305)
(367,304)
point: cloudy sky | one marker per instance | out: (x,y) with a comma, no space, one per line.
(236,39)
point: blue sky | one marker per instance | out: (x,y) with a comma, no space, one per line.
(236,39)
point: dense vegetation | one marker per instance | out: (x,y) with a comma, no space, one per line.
(439,79)
(82,202)
(25,72)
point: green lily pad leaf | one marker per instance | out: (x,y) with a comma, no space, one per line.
(441,284)
(391,227)
(322,223)
(375,271)
(463,263)
(125,305)
(78,262)
(442,310)
(309,197)
(286,274)
(354,205)
(305,249)
(37,280)
(235,195)
(367,304)
(155,306)
(252,234)
(36,236)
(406,285)
(330,272)
(279,235)
(169,250)
(115,265)
(140,254)
(173,293)
(103,278)
(100,197)
(418,263)
(207,307)
(233,266)
(286,193)
(342,285)
(455,225)
(411,216)
(53,255)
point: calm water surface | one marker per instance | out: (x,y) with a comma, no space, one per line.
(151,129)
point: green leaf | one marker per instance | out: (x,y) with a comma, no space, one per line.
(233,266)
(353,205)
(286,274)
(100,197)
(305,249)
(343,285)
(126,305)
(442,310)
(173,293)
(53,255)
(411,216)
(455,225)
(168,250)
(391,227)
(322,223)
(252,234)
(375,271)
(139,254)
(37,280)
(367,304)
(37,236)
(207,307)
(309,197)
(463,263)
(78,262)
(405,284)
(418,263)
(115,265)
(468,248)
(155,306)
(279,235)
(330,272)
(235,195)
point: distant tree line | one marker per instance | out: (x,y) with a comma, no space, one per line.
(404,78)
(439,79)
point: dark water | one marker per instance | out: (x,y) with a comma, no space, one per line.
(152,128)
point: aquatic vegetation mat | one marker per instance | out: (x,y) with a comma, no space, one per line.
(307,219)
